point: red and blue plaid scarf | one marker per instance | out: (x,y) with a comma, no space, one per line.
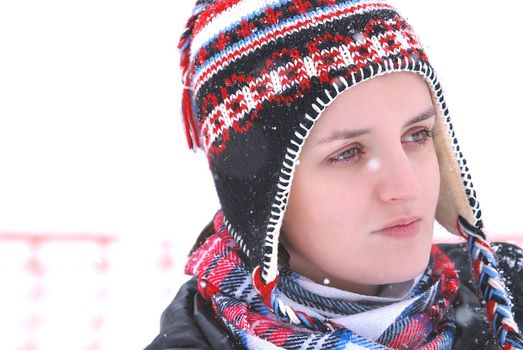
(225,281)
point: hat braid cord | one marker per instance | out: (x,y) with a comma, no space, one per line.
(285,312)
(491,287)
(184,45)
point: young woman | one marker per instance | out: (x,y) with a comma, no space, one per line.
(333,153)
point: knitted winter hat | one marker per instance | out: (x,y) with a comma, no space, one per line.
(257,76)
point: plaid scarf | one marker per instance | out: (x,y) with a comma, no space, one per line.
(225,281)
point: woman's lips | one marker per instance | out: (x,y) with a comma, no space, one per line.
(404,228)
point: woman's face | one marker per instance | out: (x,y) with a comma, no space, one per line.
(368,163)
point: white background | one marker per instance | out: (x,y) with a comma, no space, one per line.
(91,138)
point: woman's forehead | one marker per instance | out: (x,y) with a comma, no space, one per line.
(399,98)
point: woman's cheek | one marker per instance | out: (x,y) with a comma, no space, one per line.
(432,176)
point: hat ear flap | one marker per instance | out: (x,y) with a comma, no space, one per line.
(453,200)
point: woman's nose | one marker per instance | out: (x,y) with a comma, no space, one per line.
(399,178)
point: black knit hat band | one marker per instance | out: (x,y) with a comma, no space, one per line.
(300,134)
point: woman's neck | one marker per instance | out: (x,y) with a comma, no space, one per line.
(362,289)
(304,268)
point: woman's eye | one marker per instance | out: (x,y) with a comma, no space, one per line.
(349,155)
(420,136)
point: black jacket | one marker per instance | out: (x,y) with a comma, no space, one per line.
(189,322)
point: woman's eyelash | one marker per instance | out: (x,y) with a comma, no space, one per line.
(353,152)
(429,133)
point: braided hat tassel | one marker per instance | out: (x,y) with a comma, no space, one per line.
(184,45)
(285,312)
(491,287)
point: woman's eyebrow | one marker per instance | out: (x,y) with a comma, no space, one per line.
(343,135)
(349,134)
(429,113)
